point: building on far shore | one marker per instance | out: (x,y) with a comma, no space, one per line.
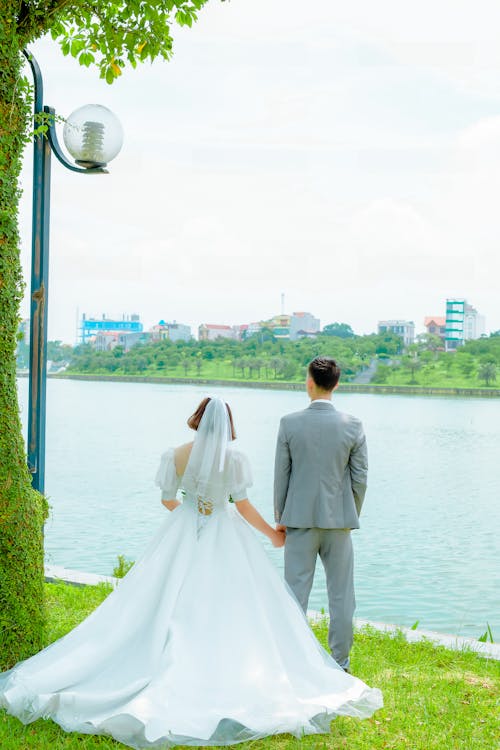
(304,335)
(283,327)
(403,328)
(303,325)
(474,323)
(107,340)
(463,322)
(213,331)
(455,315)
(253,328)
(90,327)
(279,325)
(172,331)
(435,325)
(240,332)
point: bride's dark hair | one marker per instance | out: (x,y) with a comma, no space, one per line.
(195,418)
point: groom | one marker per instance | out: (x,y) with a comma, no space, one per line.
(319,487)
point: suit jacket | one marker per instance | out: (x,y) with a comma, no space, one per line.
(320,469)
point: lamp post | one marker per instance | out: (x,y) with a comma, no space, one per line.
(93,136)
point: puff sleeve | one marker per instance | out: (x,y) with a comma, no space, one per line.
(166,476)
(240,476)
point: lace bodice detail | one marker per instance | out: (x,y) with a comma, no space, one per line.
(235,481)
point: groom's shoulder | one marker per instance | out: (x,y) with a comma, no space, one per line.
(294,416)
(349,419)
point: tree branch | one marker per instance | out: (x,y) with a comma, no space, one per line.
(30,21)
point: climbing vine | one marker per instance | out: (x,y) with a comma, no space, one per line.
(22,510)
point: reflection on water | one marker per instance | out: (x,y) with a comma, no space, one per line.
(429,545)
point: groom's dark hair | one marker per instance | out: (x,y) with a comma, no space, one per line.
(325,372)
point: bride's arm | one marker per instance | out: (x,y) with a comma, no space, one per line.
(171,504)
(167,480)
(252,515)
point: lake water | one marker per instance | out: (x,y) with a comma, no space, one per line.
(428,548)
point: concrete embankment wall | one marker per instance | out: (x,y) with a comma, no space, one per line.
(401,390)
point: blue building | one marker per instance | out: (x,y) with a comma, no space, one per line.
(463,322)
(455,317)
(90,327)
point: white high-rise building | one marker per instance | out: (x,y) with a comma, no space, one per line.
(474,323)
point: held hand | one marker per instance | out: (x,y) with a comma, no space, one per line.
(280,527)
(278,538)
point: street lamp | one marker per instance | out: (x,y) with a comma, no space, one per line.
(93,136)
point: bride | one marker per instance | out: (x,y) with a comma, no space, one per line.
(201,643)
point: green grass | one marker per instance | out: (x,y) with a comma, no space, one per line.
(209,370)
(445,372)
(435,699)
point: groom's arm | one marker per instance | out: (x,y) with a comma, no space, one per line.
(358,467)
(282,468)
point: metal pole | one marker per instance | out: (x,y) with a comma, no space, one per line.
(43,146)
(39,293)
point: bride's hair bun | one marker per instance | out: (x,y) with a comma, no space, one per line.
(195,418)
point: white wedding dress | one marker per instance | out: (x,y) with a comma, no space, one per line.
(200,644)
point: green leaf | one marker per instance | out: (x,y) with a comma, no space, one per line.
(109,75)
(86,59)
(76,46)
(183,18)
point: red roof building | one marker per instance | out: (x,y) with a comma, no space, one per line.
(436,325)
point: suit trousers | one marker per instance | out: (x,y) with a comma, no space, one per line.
(334,546)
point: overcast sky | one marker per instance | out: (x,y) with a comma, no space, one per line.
(346,154)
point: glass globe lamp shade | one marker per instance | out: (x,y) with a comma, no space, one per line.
(93,135)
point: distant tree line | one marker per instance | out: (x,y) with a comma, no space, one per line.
(263,357)
(257,357)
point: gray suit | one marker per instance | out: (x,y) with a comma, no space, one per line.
(319,487)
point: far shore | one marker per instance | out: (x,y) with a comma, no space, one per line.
(405,390)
